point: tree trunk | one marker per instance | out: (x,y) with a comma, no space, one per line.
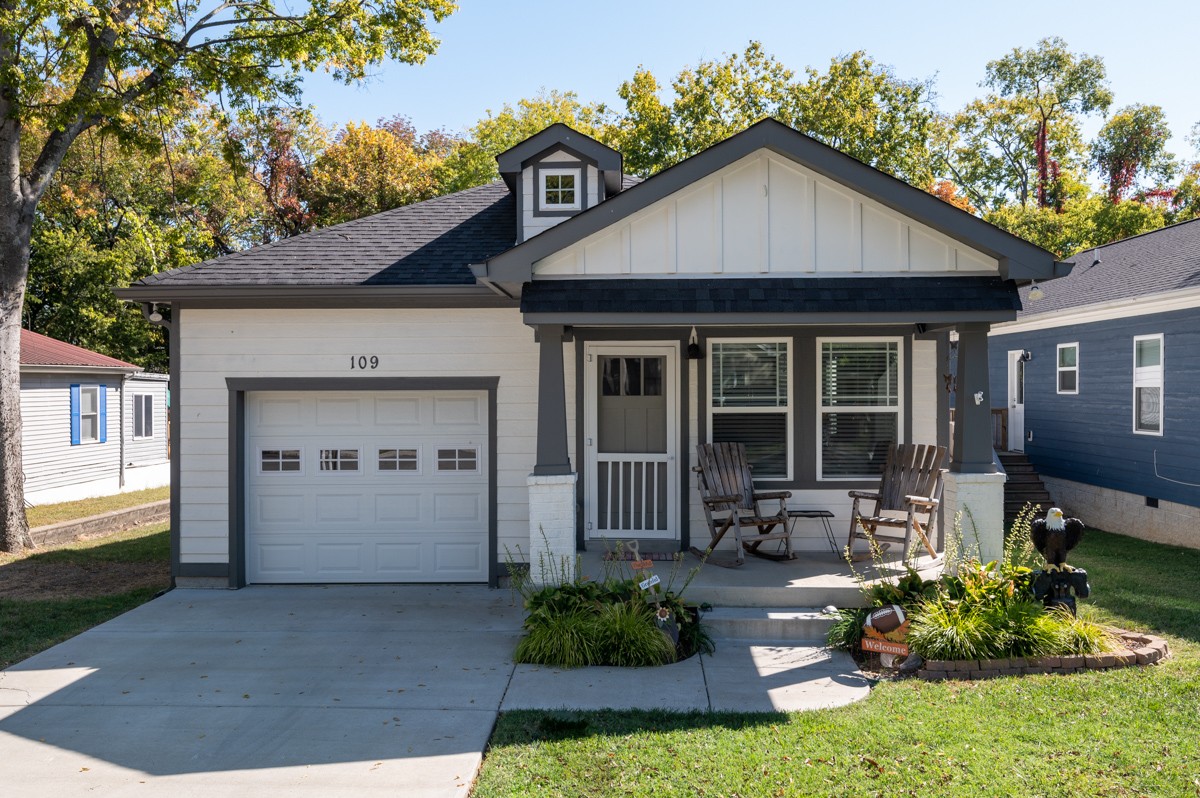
(16,227)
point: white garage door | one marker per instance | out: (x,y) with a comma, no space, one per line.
(356,486)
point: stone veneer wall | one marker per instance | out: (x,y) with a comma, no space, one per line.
(1140,649)
(1126,513)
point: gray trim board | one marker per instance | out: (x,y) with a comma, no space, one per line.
(606,159)
(203,569)
(238,386)
(755,319)
(1020,260)
(173,415)
(581,190)
(316,296)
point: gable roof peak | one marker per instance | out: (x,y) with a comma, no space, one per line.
(561,136)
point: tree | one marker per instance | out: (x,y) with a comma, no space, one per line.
(1051,83)
(1133,145)
(114,65)
(367,170)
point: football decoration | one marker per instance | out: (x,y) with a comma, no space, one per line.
(885,629)
(886,620)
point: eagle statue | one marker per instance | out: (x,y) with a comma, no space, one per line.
(1053,536)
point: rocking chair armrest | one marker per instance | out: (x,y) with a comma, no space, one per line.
(734,499)
(779,494)
(925,500)
(862,494)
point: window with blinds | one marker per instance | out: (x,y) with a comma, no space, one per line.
(749,390)
(859,407)
(1147,384)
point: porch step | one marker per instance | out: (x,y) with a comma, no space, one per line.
(782,598)
(790,624)
(1023,486)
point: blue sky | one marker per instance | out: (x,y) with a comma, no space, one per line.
(497,51)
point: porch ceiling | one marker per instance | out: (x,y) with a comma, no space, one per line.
(854,300)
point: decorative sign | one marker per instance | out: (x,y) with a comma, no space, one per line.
(884,646)
(646,584)
(641,565)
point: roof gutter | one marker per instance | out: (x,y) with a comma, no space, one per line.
(316,295)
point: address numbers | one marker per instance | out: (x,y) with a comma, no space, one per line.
(364,362)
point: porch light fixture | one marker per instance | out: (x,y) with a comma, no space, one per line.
(1026,355)
(1036,292)
(693,349)
(154,315)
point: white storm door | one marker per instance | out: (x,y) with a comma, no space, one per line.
(1016,401)
(631,432)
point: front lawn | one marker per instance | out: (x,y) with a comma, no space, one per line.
(50,595)
(45,514)
(1123,733)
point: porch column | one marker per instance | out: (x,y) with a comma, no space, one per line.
(552,483)
(974,486)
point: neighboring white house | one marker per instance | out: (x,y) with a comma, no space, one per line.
(91,425)
(408,396)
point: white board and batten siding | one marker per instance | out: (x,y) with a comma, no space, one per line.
(219,344)
(765,215)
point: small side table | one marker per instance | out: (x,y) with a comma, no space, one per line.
(824,515)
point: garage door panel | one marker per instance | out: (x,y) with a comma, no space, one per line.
(372,486)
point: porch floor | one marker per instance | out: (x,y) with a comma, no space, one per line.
(813,579)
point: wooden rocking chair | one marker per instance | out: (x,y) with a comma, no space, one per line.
(909,497)
(730,502)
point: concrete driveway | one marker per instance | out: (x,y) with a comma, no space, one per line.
(346,690)
(306,690)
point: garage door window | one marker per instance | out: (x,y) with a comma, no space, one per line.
(278,460)
(398,459)
(458,460)
(339,459)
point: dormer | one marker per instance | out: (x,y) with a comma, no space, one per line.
(556,174)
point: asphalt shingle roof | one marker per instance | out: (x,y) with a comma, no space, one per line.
(427,243)
(770,295)
(42,350)
(1152,263)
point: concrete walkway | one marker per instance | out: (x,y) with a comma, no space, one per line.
(333,691)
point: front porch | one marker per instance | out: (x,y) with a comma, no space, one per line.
(813,580)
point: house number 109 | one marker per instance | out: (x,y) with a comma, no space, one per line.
(364,362)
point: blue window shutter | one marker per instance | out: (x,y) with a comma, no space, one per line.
(103,413)
(74,415)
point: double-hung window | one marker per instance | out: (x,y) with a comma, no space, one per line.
(750,399)
(859,405)
(1068,368)
(1148,384)
(89,417)
(143,415)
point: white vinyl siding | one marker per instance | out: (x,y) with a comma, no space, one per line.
(143,415)
(750,386)
(476,342)
(50,461)
(859,405)
(150,450)
(1148,358)
(1068,368)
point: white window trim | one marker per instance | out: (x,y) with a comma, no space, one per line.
(340,473)
(901,393)
(789,411)
(94,389)
(143,398)
(1059,369)
(283,448)
(545,172)
(1150,377)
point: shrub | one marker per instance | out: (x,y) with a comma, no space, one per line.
(626,636)
(561,641)
(847,631)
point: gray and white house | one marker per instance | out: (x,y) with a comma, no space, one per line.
(1101,381)
(529,365)
(91,425)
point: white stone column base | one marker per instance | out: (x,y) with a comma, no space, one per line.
(552,552)
(980,499)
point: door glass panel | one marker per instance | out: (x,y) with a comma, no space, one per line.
(652,370)
(632,378)
(1020,381)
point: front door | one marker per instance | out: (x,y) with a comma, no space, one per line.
(1016,401)
(631,407)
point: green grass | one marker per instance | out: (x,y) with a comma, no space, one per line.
(1123,733)
(69,511)
(31,625)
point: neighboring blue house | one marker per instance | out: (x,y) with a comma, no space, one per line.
(1102,381)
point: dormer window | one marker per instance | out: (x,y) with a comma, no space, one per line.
(559,189)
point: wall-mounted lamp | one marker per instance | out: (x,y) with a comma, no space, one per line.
(1026,355)
(979,397)
(154,315)
(1036,292)
(693,349)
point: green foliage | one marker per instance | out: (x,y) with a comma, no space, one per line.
(625,635)
(846,633)
(907,591)
(561,641)
(1131,145)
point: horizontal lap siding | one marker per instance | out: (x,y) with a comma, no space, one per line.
(151,450)
(50,461)
(1089,437)
(218,344)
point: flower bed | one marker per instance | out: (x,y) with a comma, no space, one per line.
(1140,649)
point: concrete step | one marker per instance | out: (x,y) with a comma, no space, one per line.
(791,624)
(775,598)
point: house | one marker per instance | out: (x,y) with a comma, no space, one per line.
(529,365)
(1101,381)
(91,425)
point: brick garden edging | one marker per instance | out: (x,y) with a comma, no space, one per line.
(1140,649)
